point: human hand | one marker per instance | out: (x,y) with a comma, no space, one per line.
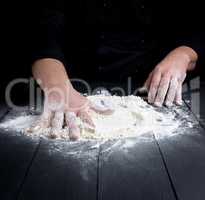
(164,83)
(62,106)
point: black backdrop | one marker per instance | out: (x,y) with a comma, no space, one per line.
(17,20)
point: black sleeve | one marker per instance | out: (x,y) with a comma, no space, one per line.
(194,40)
(48,33)
(185,22)
(197,43)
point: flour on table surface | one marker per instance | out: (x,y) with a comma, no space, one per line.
(132,117)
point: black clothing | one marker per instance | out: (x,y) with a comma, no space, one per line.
(109,37)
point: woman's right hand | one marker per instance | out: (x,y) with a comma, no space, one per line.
(62,104)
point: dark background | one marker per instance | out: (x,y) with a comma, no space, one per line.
(29,170)
(17,22)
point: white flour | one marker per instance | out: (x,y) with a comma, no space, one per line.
(133,117)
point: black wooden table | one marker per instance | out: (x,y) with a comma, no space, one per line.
(168,169)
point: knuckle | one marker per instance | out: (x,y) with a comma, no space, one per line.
(153,88)
(180,79)
(157,69)
(166,76)
(154,84)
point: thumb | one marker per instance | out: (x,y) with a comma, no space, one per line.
(148,81)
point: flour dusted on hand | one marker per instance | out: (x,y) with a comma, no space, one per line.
(132,117)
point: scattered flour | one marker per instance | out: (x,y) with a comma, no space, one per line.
(133,117)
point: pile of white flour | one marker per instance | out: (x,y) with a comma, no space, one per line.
(132,117)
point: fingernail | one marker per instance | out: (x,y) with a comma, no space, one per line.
(150,99)
(74,134)
(179,103)
(74,137)
(168,104)
(157,104)
(53,134)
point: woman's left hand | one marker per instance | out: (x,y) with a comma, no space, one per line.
(164,83)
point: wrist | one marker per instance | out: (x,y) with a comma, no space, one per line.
(50,73)
(187,55)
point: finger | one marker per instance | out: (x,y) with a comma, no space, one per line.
(102,107)
(148,81)
(82,103)
(171,92)
(162,91)
(85,117)
(56,123)
(142,92)
(178,96)
(45,119)
(154,86)
(43,122)
(71,121)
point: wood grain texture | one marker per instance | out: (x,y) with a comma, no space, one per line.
(133,172)
(16,154)
(63,170)
(184,157)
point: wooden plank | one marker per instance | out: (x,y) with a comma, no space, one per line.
(202,104)
(133,169)
(63,170)
(194,99)
(185,161)
(16,154)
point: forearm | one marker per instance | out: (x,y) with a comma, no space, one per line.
(50,72)
(48,33)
